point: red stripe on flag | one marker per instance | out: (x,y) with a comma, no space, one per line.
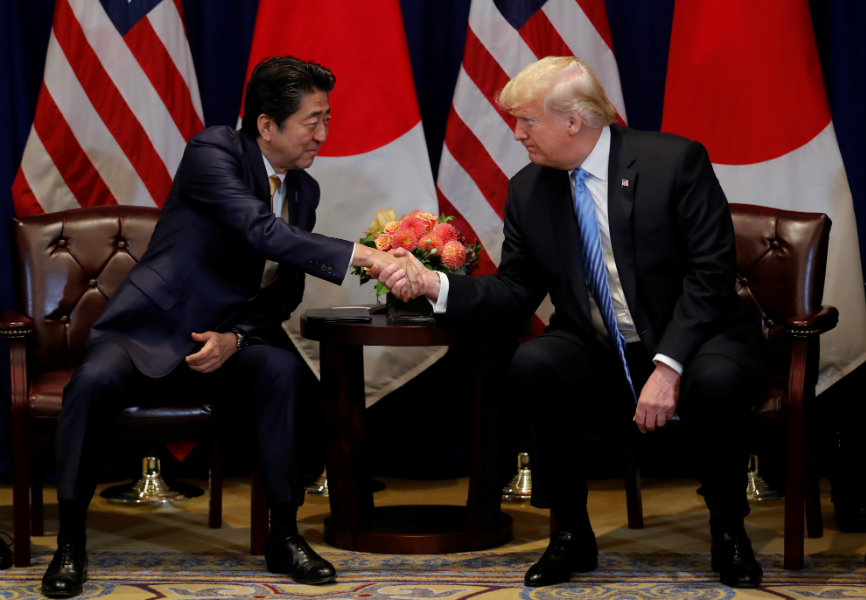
(110,105)
(178,5)
(160,69)
(25,201)
(757,61)
(483,69)
(69,158)
(542,37)
(477,162)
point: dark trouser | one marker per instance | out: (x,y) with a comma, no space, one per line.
(570,385)
(273,383)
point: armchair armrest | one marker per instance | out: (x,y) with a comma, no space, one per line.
(13,324)
(814,324)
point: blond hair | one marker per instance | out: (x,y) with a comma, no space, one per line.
(563,84)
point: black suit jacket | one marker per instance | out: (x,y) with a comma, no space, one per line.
(202,270)
(672,238)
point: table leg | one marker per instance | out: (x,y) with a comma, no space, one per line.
(355,523)
(342,372)
(484,499)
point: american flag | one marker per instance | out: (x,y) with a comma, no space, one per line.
(118,102)
(480,154)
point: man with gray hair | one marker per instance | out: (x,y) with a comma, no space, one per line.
(630,234)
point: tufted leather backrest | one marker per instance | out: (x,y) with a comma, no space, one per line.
(781,263)
(781,260)
(69,265)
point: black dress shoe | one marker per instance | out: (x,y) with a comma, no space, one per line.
(294,557)
(67,572)
(566,554)
(734,561)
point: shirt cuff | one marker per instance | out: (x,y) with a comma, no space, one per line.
(441,304)
(351,260)
(661,358)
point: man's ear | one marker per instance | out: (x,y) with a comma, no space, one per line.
(266,127)
(575,122)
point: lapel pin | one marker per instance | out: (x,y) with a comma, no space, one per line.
(624,182)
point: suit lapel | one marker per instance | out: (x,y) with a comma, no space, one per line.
(259,180)
(256,165)
(567,235)
(621,187)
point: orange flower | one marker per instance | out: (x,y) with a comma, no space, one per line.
(416,225)
(446,232)
(383,242)
(390,227)
(430,220)
(453,255)
(404,237)
(430,241)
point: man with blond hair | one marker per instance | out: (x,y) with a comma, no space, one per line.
(630,234)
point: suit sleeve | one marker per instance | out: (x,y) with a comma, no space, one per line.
(707,257)
(214,180)
(514,292)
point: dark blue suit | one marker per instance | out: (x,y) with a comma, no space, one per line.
(202,272)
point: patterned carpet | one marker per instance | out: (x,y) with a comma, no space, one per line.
(477,575)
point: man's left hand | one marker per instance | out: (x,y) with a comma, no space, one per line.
(658,399)
(215,350)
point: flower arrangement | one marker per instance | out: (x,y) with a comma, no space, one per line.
(433,240)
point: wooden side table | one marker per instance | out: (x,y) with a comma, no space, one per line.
(355,523)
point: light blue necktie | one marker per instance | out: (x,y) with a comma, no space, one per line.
(593,263)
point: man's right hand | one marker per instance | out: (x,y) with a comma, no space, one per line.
(402,267)
(427,283)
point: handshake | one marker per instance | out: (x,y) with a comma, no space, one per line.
(399,271)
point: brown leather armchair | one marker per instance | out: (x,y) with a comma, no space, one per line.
(781,263)
(68,265)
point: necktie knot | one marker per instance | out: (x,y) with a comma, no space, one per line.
(274,182)
(580,177)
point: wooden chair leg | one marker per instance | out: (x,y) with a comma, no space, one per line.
(258,514)
(215,505)
(796,462)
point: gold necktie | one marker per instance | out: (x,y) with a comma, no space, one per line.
(274,182)
(271,266)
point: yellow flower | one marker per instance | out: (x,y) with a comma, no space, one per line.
(383,217)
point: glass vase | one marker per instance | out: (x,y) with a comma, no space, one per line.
(417,310)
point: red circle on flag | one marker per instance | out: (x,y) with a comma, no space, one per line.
(374,100)
(744,79)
